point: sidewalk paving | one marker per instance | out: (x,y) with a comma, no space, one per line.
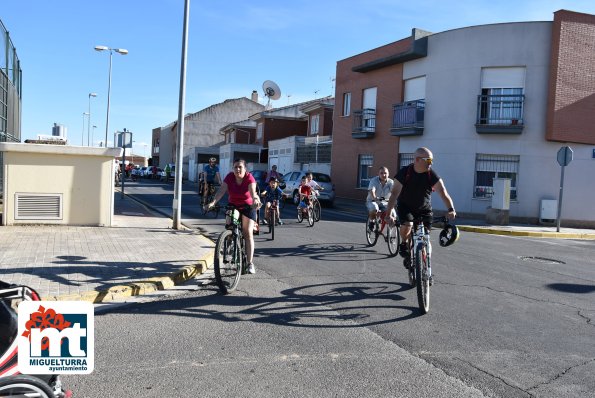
(141,253)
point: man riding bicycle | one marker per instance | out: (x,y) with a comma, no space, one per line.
(379,187)
(413,188)
(210,176)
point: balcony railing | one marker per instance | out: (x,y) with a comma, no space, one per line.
(500,114)
(364,123)
(408,118)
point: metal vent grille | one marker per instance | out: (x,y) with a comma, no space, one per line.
(38,206)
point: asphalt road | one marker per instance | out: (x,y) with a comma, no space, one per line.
(326,315)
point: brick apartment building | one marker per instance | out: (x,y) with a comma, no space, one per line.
(491,101)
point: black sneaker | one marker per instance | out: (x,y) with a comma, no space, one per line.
(404,250)
(407,263)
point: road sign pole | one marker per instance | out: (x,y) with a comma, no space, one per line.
(560,199)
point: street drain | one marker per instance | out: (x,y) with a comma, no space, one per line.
(541,260)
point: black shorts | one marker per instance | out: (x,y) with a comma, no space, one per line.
(406,214)
(249,212)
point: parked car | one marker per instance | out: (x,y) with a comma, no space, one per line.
(135,171)
(163,176)
(142,171)
(293,180)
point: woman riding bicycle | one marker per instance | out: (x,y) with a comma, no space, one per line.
(241,188)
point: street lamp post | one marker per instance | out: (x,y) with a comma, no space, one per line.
(89,119)
(109,86)
(93,133)
(83,132)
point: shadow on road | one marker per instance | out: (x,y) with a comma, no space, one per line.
(330,305)
(571,288)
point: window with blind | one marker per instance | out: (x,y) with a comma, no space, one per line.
(488,167)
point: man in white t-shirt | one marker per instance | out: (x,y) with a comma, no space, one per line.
(379,187)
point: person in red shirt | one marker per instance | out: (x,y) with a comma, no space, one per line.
(305,192)
(240,186)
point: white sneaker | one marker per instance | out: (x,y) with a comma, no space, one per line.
(251,268)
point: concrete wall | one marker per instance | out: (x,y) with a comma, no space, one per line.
(453,82)
(202,129)
(84,176)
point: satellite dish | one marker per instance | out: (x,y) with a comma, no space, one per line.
(271,91)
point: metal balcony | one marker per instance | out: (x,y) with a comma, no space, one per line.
(500,114)
(408,118)
(364,123)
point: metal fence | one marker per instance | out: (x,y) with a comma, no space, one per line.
(312,153)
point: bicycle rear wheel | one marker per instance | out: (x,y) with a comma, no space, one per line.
(423,278)
(24,385)
(317,210)
(371,235)
(228,262)
(392,239)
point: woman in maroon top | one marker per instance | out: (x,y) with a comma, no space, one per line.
(240,186)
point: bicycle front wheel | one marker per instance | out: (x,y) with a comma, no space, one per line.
(392,238)
(423,278)
(272,221)
(371,235)
(300,214)
(24,386)
(317,210)
(310,217)
(228,262)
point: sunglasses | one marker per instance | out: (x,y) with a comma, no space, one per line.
(427,160)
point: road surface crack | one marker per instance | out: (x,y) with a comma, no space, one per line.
(561,374)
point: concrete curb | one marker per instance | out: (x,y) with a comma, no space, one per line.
(139,288)
(142,287)
(543,234)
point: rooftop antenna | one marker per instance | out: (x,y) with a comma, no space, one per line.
(288,95)
(271,91)
(332,85)
(316,93)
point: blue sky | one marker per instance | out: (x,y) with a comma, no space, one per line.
(233,47)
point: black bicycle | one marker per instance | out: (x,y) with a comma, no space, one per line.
(273,218)
(208,198)
(230,252)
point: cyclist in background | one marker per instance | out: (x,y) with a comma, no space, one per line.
(273,192)
(210,176)
(313,184)
(379,187)
(413,186)
(274,174)
(305,192)
(241,187)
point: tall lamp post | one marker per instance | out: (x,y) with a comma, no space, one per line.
(93,133)
(89,119)
(83,132)
(109,86)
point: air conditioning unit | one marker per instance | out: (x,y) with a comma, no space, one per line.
(549,210)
